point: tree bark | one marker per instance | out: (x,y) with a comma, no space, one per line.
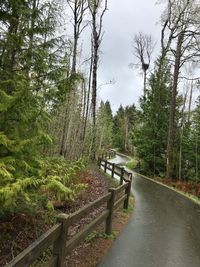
(170,139)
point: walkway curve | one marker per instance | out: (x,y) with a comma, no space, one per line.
(163,231)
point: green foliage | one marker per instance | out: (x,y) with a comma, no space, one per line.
(130,206)
(151,135)
(33,82)
(104,126)
(95,234)
(56,181)
(132,164)
(191,146)
(125,123)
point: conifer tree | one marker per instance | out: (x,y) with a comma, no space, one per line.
(151,136)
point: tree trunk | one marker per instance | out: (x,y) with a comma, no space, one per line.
(190,101)
(170,139)
(181,137)
(94,84)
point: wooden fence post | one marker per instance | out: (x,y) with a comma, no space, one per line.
(99,163)
(59,248)
(105,166)
(113,169)
(122,176)
(110,207)
(127,192)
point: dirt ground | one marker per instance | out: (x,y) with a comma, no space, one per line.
(89,254)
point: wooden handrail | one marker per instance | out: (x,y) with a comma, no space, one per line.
(30,254)
(86,209)
(57,235)
(76,239)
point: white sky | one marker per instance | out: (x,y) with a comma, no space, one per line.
(121,22)
(124,19)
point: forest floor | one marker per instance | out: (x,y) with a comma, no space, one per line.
(187,187)
(19,231)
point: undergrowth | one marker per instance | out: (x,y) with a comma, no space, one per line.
(54,181)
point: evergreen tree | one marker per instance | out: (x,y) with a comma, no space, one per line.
(191,147)
(119,129)
(125,122)
(151,137)
(30,60)
(104,126)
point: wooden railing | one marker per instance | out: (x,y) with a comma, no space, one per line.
(124,175)
(57,236)
(108,154)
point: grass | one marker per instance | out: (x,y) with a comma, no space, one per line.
(132,164)
(130,206)
(95,234)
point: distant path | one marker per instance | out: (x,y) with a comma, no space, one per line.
(164,229)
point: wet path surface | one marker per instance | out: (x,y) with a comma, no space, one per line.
(163,231)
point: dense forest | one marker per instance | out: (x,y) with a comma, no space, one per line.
(51,122)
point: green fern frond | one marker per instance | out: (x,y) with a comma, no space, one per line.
(4,173)
(5,101)
(57,186)
(5,141)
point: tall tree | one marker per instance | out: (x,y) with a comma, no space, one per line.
(143,48)
(180,36)
(151,134)
(78,8)
(97,10)
(104,126)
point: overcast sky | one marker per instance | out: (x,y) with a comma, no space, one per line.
(124,19)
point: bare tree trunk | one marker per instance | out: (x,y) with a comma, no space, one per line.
(181,137)
(196,150)
(78,8)
(190,101)
(170,140)
(65,128)
(96,40)
(145,82)
(94,91)
(126,133)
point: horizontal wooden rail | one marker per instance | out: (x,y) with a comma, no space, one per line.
(119,202)
(56,237)
(124,175)
(74,217)
(121,188)
(29,255)
(108,154)
(73,242)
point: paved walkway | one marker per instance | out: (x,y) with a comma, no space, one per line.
(163,231)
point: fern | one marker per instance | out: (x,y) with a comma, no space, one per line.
(55,181)
(5,101)
(5,141)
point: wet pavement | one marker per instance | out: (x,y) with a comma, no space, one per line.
(163,231)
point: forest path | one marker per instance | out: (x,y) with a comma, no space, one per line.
(163,231)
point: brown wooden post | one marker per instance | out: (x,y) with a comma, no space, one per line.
(122,176)
(99,162)
(59,248)
(113,169)
(128,192)
(105,167)
(110,207)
